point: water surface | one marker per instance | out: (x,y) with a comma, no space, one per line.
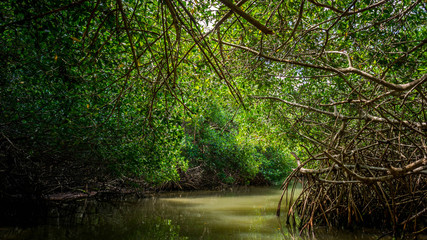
(244,213)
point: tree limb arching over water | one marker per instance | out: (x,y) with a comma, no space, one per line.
(344,82)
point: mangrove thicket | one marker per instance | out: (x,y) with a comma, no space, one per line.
(98,95)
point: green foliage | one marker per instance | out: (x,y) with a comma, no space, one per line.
(144,89)
(275,165)
(126,88)
(156,157)
(65,97)
(216,148)
(220,150)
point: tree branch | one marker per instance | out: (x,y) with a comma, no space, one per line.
(247,17)
(392,86)
(45,14)
(364,116)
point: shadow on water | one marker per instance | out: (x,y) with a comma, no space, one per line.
(245,213)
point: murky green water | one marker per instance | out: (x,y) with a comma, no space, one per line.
(248,213)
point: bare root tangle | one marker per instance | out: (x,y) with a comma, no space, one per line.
(375,174)
(363,171)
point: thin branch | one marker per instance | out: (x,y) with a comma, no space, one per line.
(125,22)
(364,116)
(392,86)
(44,14)
(224,18)
(247,17)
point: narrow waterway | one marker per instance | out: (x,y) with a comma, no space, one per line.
(245,213)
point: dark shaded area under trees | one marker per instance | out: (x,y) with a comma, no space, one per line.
(112,93)
(98,98)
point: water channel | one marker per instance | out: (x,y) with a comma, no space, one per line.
(245,213)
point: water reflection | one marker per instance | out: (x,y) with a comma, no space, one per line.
(246,213)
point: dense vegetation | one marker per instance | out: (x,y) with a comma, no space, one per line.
(221,92)
(94,92)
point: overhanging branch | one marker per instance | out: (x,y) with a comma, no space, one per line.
(364,116)
(392,86)
(247,17)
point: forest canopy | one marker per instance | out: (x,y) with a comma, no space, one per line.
(151,89)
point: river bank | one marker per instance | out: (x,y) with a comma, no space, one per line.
(34,207)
